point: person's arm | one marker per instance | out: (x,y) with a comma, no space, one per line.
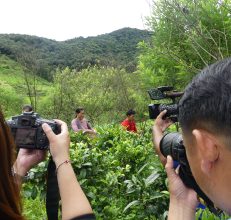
(125,123)
(160,125)
(135,129)
(74,201)
(74,126)
(88,129)
(183,200)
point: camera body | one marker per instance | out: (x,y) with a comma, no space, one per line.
(164,92)
(155,109)
(28,133)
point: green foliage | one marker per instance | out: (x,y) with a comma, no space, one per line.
(34,209)
(188,35)
(105,93)
(115,169)
(207,215)
(117,49)
(13,88)
(119,173)
(116,156)
(9,100)
(38,57)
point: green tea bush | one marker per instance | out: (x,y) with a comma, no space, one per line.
(118,171)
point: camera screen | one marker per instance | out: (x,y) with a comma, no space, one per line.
(25,136)
(25,122)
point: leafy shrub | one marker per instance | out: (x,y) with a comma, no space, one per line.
(119,173)
(114,169)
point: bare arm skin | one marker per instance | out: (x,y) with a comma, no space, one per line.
(74,201)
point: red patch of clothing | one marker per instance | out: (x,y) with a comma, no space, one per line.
(129,125)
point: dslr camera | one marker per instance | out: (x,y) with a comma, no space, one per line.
(172,144)
(164,92)
(28,133)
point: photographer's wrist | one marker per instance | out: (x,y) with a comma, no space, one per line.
(157,129)
(20,169)
(180,210)
(59,160)
(19,177)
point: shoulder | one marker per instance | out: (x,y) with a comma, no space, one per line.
(74,120)
(125,122)
(84,120)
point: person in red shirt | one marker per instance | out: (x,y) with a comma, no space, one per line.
(129,123)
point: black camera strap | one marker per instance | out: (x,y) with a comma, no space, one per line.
(52,196)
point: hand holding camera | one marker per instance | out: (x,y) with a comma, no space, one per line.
(160,125)
(181,197)
(28,133)
(33,135)
(59,143)
(26,159)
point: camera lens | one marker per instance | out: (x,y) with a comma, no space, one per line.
(172,144)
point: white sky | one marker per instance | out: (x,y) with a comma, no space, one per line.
(67,19)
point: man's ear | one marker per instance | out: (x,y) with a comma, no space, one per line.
(207,148)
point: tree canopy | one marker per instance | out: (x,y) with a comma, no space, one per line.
(187,36)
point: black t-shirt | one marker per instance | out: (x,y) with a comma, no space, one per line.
(85,217)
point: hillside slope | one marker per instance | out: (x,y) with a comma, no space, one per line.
(13,87)
(42,56)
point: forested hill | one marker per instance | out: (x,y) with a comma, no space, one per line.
(41,55)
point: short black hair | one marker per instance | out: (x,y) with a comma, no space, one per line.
(130,112)
(206,102)
(78,110)
(27,108)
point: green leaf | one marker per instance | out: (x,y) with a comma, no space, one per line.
(141,169)
(133,203)
(151,179)
(34,192)
(87,164)
(130,190)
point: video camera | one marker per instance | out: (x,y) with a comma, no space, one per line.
(27,130)
(164,92)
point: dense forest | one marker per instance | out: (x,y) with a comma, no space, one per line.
(108,75)
(117,49)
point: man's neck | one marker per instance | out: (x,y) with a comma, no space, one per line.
(130,120)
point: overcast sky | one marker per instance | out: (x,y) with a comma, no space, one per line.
(67,19)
